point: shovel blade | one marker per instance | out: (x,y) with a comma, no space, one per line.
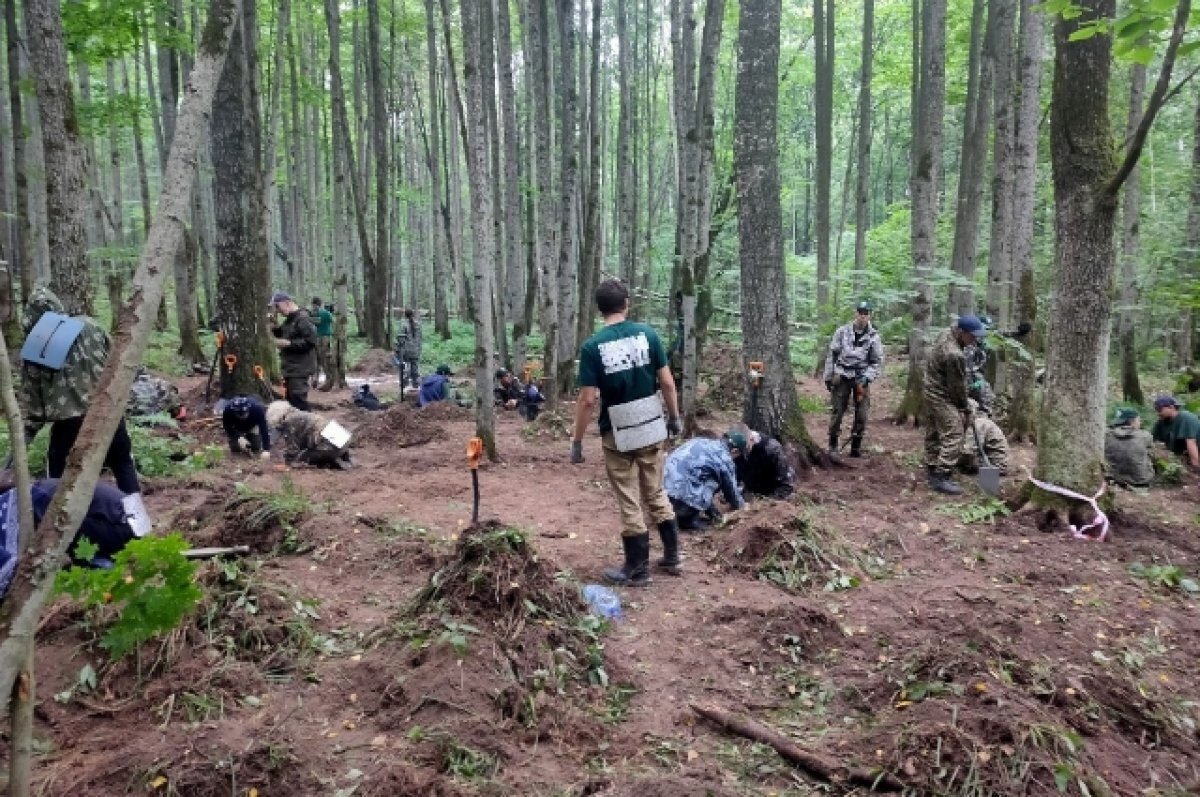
(989,480)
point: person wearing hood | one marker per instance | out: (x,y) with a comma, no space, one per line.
(63,359)
(763,466)
(694,474)
(1127,448)
(307,437)
(855,360)
(435,387)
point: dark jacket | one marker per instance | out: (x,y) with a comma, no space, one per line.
(299,358)
(513,392)
(434,387)
(765,470)
(235,427)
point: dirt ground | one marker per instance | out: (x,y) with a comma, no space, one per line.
(381,647)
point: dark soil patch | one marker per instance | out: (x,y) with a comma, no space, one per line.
(400,426)
(374,361)
(446,411)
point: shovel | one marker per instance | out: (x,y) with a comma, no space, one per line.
(989,475)
(474,454)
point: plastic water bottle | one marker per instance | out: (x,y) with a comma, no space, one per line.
(603,601)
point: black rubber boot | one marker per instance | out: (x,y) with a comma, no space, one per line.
(939,480)
(636,570)
(671,561)
(833,443)
(856,446)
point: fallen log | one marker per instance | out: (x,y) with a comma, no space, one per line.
(816,765)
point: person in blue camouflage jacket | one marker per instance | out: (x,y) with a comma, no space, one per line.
(61,397)
(695,472)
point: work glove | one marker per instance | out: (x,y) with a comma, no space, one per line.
(265,455)
(829,385)
(674,426)
(576,452)
(242,445)
(282,343)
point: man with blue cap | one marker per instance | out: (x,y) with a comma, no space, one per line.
(947,411)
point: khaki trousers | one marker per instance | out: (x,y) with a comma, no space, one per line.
(636,479)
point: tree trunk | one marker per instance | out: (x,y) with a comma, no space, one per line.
(66,192)
(22,608)
(1131,386)
(23,228)
(772,408)
(1185,341)
(242,253)
(1000,258)
(440,223)
(537,23)
(568,148)
(626,183)
(823,38)
(974,156)
(1087,181)
(927,166)
(862,203)
(487,67)
(378,268)
(484,255)
(1021,376)
(514,256)
(593,233)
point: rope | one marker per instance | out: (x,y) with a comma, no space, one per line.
(1101,519)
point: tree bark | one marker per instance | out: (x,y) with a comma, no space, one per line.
(823,39)
(484,255)
(62,145)
(592,229)
(378,268)
(626,184)
(568,148)
(242,252)
(1000,258)
(487,72)
(862,193)
(1021,378)
(974,156)
(21,610)
(514,256)
(1131,386)
(1185,341)
(23,228)
(926,170)
(440,223)
(772,408)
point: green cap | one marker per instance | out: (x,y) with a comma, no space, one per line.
(1125,416)
(444,370)
(735,439)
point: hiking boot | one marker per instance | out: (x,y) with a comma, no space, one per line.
(939,480)
(671,561)
(833,443)
(856,446)
(636,570)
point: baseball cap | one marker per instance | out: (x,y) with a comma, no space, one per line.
(501,373)
(735,439)
(239,405)
(444,370)
(863,307)
(1165,400)
(1124,416)
(972,325)
(277,297)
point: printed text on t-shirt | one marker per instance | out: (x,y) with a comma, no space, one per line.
(625,354)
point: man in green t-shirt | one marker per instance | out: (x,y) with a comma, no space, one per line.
(323,319)
(1178,430)
(625,366)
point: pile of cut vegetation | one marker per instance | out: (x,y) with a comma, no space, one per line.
(400,426)
(374,361)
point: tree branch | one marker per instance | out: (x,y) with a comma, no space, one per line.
(37,570)
(1158,99)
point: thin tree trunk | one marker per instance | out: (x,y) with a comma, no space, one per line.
(1131,386)
(626,142)
(487,65)
(568,147)
(823,37)
(974,157)
(592,230)
(66,190)
(139,151)
(440,234)
(862,193)
(378,268)
(23,249)
(514,257)
(1185,341)
(1000,258)
(924,181)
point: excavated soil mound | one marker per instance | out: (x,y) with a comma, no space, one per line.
(374,361)
(446,411)
(400,426)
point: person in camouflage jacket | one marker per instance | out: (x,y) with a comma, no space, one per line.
(61,399)
(990,437)
(152,395)
(855,360)
(945,399)
(301,432)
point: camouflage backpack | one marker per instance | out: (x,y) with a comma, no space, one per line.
(150,395)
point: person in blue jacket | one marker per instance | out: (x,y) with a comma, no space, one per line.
(245,421)
(436,387)
(694,474)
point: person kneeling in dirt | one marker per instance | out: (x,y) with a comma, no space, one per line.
(763,468)
(990,437)
(508,391)
(1178,430)
(106,524)
(945,397)
(151,395)
(1127,450)
(245,422)
(696,471)
(365,399)
(311,439)
(436,387)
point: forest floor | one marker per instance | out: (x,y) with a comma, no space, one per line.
(378,646)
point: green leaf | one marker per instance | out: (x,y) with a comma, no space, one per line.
(1084,32)
(1063,773)
(85,550)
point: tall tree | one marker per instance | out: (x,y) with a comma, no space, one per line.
(593,231)
(974,156)
(440,231)
(1000,258)
(568,171)
(823,39)
(862,193)
(1131,213)
(1087,182)
(926,175)
(626,184)
(514,259)
(242,255)
(1021,379)
(23,229)
(484,255)
(377,272)
(773,406)
(1185,344)
(65,170)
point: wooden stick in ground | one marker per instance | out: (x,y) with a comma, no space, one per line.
(34,579)
(816,765)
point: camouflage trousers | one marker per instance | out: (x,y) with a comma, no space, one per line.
(843,396)
(943,435)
